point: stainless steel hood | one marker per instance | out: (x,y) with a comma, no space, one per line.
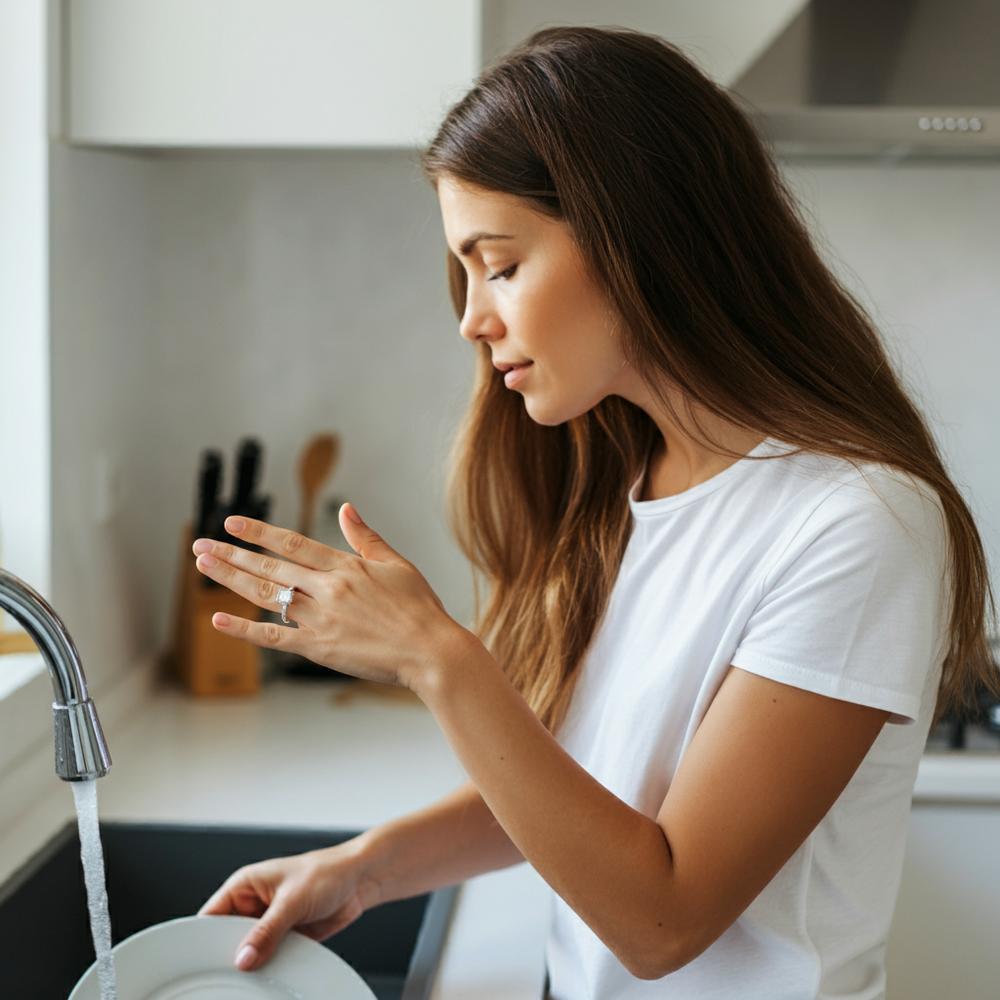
(884,78)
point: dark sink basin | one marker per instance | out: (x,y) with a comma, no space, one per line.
(156,872)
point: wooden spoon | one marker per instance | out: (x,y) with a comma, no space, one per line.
(316,464)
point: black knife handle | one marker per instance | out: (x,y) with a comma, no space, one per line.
(209,481)
(247,467)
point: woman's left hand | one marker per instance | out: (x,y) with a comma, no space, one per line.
(371,615)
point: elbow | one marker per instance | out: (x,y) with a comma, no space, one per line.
(663,934)
(651,966)
(662,957)
(661,940)
(650,970)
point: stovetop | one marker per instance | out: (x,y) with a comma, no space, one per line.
(975,729)
(949,736)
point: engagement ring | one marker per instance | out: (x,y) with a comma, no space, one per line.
(285,597)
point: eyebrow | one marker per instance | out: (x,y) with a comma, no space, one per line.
(467,244)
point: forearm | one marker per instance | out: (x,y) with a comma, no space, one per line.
(608,861)
(445,843)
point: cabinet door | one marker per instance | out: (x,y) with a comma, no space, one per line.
(943,941)
(294,73)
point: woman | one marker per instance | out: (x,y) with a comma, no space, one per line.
(732,584)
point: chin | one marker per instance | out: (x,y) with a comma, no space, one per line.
(548,417)
(540,415)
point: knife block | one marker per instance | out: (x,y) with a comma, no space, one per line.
(206,661)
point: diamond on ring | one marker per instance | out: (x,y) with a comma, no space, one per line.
(285,597)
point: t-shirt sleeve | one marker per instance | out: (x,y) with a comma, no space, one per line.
(854,605)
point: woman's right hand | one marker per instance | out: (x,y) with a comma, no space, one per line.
(316,893)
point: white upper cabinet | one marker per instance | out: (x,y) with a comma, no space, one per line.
(329,73)
(292,73)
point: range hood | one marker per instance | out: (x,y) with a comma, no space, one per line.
(884,78)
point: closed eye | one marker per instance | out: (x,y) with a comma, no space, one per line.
(508,273)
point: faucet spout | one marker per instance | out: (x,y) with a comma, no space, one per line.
(80,748)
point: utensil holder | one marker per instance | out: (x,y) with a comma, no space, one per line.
(206,661)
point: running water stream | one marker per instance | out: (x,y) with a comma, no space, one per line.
(85,794)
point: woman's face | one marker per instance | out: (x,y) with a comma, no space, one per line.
(529,298)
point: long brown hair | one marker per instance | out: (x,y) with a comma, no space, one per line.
(682,217)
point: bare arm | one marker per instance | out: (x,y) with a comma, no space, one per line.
(443,844)
(767,763)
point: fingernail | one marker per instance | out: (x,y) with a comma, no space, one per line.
(222,620)
(353,514)
(207,560)
(235,524)
(202,545)
(246,957)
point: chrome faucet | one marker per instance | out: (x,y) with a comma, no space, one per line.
(81,750)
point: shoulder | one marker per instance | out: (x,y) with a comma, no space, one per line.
(824,488)
(860,514)
(886,499)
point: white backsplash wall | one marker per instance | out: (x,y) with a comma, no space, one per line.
(304,293)
(200,297)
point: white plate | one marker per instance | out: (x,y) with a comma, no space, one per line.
(191,958)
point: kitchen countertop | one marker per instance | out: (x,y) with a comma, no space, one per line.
(298,756)
(316,753)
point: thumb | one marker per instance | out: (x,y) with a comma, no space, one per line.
(367,543)
(264,937)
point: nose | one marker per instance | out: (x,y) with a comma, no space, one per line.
(480,320)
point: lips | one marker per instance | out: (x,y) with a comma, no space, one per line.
(506,366)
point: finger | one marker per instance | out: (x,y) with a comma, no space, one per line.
(320,930)
(263,938)
(267,567)
(285,574)
(227,898)
(367,543)
(263,593)
(291,544)
(243,905)
(267,634)
(220,902)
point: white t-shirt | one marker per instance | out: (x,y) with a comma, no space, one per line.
(793,569)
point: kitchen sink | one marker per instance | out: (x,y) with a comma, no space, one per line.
(157,871)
